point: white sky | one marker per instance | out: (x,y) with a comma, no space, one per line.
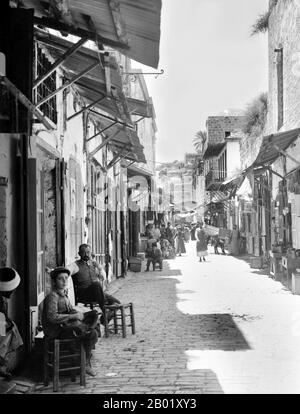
(210,63)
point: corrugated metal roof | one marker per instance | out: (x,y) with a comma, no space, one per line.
(135,24)
(267,153)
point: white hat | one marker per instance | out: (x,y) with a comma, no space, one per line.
(9,279)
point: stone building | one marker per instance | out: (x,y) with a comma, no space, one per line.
(221,154)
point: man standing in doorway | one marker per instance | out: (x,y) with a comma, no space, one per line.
(88,275)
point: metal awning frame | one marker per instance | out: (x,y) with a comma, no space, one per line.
(59,61)
(67,84)
(111,118)
(117,158)
(86,108)
(103,143)
(26,102)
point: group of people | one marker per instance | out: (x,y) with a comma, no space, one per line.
(60,319)
(171,240)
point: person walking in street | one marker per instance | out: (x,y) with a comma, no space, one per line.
(154,256)
(61,320)
(163,233)
(180,246)
(201,245)
(193,231)
(170,234)
(234,248)
(187,234)
(87,275)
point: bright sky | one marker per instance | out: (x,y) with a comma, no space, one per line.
(211,63)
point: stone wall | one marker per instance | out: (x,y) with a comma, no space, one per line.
(284,31)
(217,126)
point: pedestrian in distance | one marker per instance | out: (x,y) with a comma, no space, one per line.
(201,245)
(180,246)
(154,256)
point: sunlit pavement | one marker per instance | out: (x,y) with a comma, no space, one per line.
(213,327)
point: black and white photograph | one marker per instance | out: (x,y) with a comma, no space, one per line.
(149,200)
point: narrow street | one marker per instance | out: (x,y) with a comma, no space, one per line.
(213,327)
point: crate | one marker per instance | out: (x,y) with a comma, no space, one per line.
(256,262)
(296,282)
(135,264)
(141,255)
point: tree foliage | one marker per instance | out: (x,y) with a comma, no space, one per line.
(256,115)
(199,140)
(262,23)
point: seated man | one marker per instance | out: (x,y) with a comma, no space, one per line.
(154,256)
(87,275)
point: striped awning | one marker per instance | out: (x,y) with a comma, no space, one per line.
(130,26)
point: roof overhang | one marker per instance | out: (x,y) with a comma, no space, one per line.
(272,145)
(132,27)
(213,150)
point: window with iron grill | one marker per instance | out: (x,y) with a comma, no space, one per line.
(42,65)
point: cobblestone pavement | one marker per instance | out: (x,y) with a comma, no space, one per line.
(213,327)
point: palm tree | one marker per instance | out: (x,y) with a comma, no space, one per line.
(199,140)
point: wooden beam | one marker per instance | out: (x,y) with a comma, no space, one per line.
(281,151)
(67,84)
(113,161)
(57,25)
(276,173)
(26,102)
(105,142)
(112,119)
(109,126)
(116,159)
(119,23)
(86,108)
(59,61)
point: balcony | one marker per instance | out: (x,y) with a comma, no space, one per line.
(213,180)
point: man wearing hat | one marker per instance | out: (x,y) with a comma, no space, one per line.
(61,320)
(10,338)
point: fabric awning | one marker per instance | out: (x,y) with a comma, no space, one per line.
(102,81)
(213,150)
(245,191)
(232,183)
(130,26)
(218,197)
(268,153)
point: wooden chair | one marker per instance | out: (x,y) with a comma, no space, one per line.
(64,355)
(118,314)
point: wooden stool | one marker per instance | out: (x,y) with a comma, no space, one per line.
(64,355)
(119,316)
